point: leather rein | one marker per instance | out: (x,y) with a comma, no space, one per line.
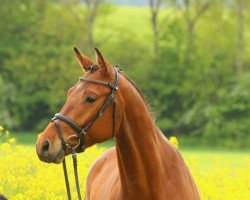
(83,131)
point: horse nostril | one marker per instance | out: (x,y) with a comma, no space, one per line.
(45,146)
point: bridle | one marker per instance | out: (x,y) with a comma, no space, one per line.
(83,131)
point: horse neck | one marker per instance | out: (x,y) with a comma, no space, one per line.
(138,149)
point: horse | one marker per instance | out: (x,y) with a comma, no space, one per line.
(143,164)
(2,197)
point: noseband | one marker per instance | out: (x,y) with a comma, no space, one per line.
(83,131)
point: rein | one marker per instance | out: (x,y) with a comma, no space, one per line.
(83,131)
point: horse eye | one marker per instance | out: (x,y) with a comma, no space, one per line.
(90,99)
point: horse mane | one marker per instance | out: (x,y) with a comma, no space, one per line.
(153,115)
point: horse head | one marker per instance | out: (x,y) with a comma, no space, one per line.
(89,114)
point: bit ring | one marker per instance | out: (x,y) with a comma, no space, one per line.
(73,146)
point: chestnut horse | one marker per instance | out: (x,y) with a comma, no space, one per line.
(143,165)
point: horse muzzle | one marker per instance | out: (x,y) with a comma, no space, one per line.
(46,153)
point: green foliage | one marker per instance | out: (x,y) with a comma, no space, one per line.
(192,83)
(200,92)
(7,94)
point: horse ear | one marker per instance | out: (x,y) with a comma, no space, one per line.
(102,62)
(83,60)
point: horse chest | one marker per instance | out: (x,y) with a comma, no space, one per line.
(106,186)
(103,182)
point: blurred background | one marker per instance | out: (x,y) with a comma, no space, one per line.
(191,59)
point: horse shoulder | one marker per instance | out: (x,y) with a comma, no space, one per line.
(179,182)
(98,167)
(181,177)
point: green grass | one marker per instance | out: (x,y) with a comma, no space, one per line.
(131,24)
(29,138)
(204,158)
(130,18)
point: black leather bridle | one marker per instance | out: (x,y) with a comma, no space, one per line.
(82,131)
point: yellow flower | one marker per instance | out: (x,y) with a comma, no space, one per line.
(12,140)
(7,133)
(31,179)
(173,140)
(4,146)
(1,128)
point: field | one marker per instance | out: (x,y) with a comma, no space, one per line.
(194,68)
(220,175)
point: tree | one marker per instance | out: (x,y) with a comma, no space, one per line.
(193,12)
(155,8)
(8,97)
(240,34)
(85,13)
(92,8)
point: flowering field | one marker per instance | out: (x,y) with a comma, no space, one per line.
(24,176)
